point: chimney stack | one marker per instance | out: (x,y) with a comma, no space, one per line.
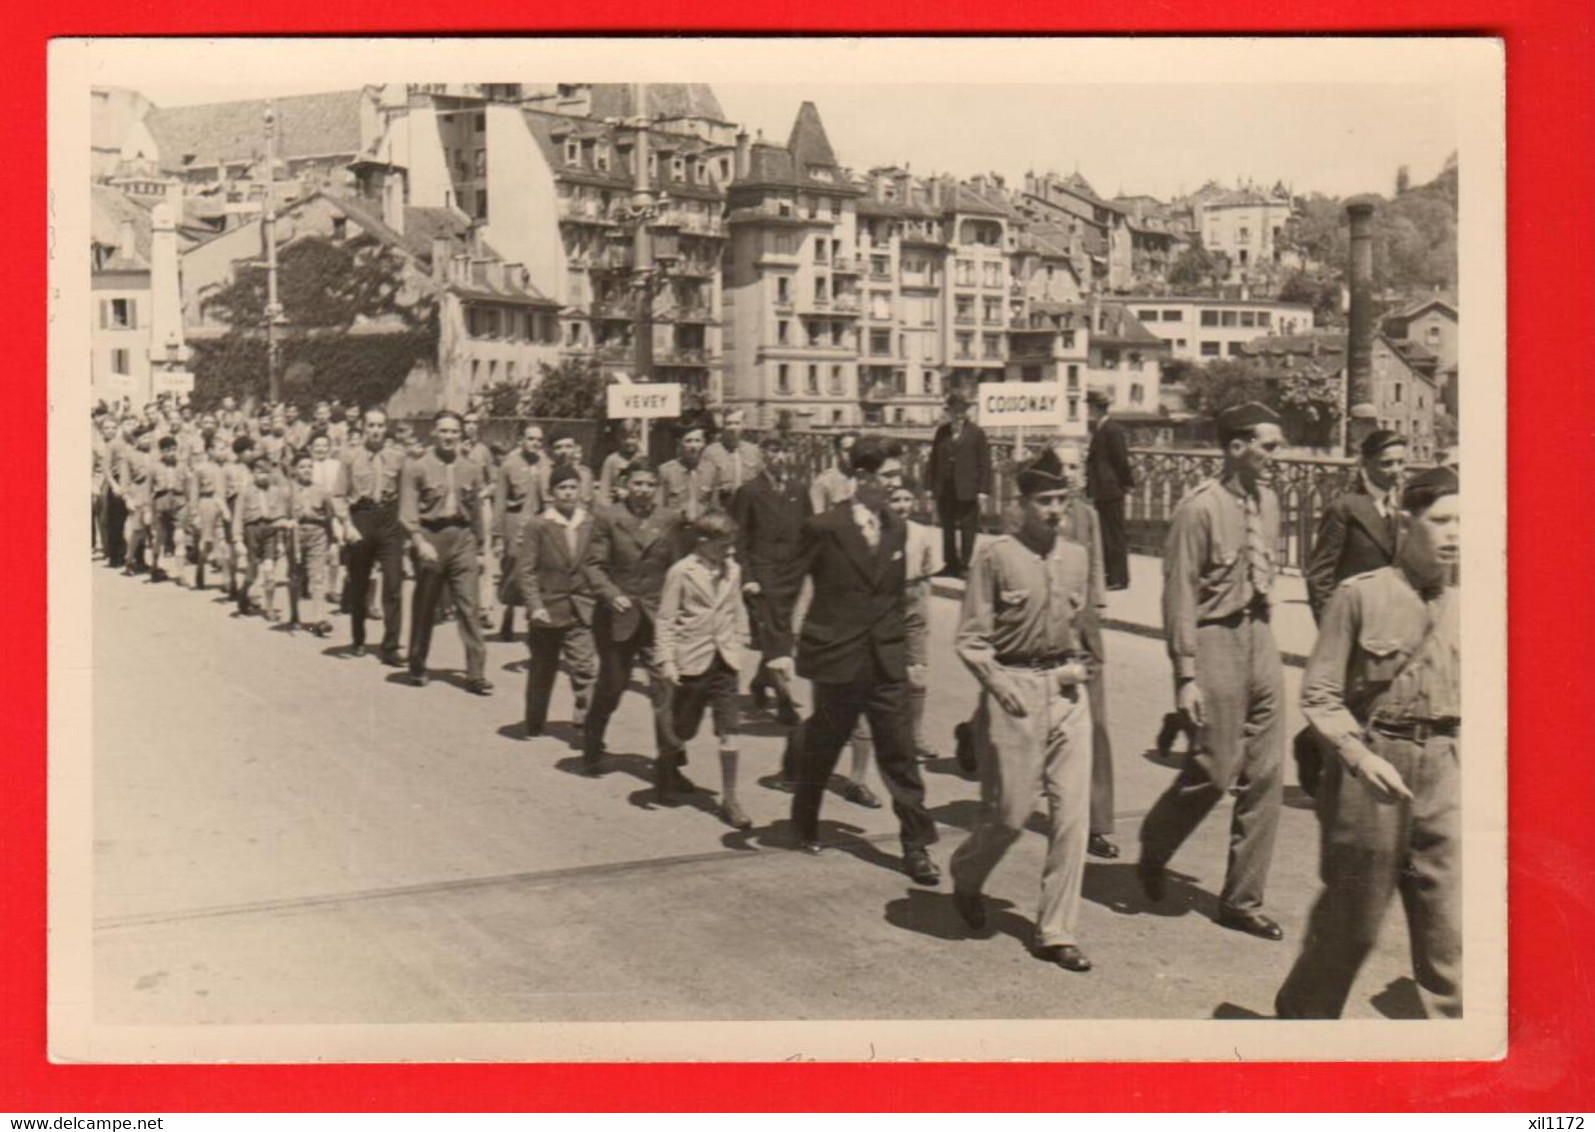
(1360,413)
(744,155)
(1096,311)
(440,259)
(126,242)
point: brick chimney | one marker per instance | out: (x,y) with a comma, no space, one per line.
(1361,414)
(744,155)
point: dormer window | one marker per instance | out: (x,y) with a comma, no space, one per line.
(601,158)
(700,171)
(573,152)
(678,168)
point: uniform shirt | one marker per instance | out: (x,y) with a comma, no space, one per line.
(100,465)
(688,490)
(1384,650)
(297,434)
(168,479)
(479,453)
(432,489)
(328,473)
(235,478)
(517,490)
(256,504)
(830,487)
(924,554)
(614,464)
(338,434)
(1020,607)
(371,476)
(1219,560)
(733,466)
(205,480)
(123,457)
(312,503)
(701,614)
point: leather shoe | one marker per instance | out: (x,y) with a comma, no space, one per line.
(1065,955)
(1252,923)
(971,907)
(860,795)
(420,679)
(481,686)
(1153,878)
(390,657)
(732,815)
(920,868)
(812,848)
(357,650)
(1098,845)
(964,747)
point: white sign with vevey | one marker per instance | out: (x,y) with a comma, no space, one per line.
(629,402)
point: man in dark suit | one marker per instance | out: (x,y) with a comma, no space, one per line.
(1109,479)
(1359,529)
(959,477)
(1359,532)
(853,648)
(559,598)
(769,511)
(632,547)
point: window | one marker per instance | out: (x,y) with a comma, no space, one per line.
(820,247)
(479,123)
(838,335)
(509,372)
(492,371)
(1068,339)
(1234,349)
(1264,318)
(783,378)
(964,272)
(725,168)
(821,290)
(1110,359)
(1146,316)
(678,168)
(966,345)
(1209,318)
(481,162)
(120,314)
(1137,394)
(340,228)
(1173,316)
(1135,359)
(836,417)
(476,372)
(781,328)
(1248,318)
(993,310)
(1030,373)
(481,204)
(1074,408)
(1244,254)
(119,362)
(929,385)
(783,289)
(880,343)
(992,276)
(700,171)
(816,333)
(880,267)
(1243,236)
(1431,335)
(1398,393)
(991,345)
(1074,377)
(836,380)
(880,305)
(813,388)
(1180,342)
(1228,318)
(1210,349)
(964,309)
(573,153)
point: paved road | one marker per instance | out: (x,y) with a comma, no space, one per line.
(286,834)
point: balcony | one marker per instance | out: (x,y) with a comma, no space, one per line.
(584,212)
(965,319)
(784,305)
(846,265)
(844,304)
(616,308)
(695,268)
(876,314)
(682,356)
(878,276)
(691,312)
(611,259)
(615,352)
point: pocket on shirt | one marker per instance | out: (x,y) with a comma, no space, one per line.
(1384,657)
(1012,599)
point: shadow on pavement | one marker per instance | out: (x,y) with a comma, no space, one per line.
(933,914)
(1399,1000)
(1229,1011)
(1116,888)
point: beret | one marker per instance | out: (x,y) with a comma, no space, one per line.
(1378,440)
(1424,488)
(1044,473)
(1249,415)
(561,473)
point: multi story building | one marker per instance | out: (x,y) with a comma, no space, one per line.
(1103,227)
(1248,228)
(1091,347)
(136,330)
(1202,329)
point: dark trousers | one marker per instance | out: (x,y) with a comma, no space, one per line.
(960,522)
(114,517)
(1115,543)
(770,619)
(616,659)
(884,702)
(549,644)
(1101,757)
(1243,697)
(455,570)
(1370,850)
(381,544)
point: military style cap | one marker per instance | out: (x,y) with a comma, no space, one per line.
(562,473)
(1378,440)
(1249,415)
(956,400)
(1427,486)
(1044,473)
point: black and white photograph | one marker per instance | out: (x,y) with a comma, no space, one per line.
(751,549)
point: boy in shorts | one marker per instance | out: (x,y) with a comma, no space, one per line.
(317,526)
(701,632)
(260,519)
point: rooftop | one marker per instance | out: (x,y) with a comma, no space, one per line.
(308,125)
(665,100)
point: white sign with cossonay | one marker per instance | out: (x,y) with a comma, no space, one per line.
(1027,404)
(629,402)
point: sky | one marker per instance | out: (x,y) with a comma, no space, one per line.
(1157,139)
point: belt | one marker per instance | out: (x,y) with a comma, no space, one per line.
(370,505)
(1257,611)
(1418,730)
(258,522)
(1042,663)
(443,524)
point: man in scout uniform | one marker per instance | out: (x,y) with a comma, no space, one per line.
(259,517)
(1022,633)
(130,475)
(207,514)
(296,432)
(558,592)
(317,528)
(443,502)
(517,494)
(473,448)
(633,545)
(168,498)
(1383,690)
(616,463)
(734,460)
(769,511)
(369,490)
(103,437)
(687,484)
(1218,576)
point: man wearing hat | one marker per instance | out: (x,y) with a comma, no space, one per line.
(1358,533)
(1383,690)
(959,477)
(734,460)
(1025,632)
(1359,528)
(1218,577)
(1109,478)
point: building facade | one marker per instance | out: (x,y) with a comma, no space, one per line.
(1204,329)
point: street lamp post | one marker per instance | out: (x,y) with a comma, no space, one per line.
(269,233)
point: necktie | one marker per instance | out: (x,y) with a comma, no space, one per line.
(451,501)
(1259,568)
(736,467)
(692,492)
(377,494)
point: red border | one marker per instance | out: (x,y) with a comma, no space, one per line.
(1548,1069)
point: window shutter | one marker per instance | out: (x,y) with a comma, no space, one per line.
(132,314)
